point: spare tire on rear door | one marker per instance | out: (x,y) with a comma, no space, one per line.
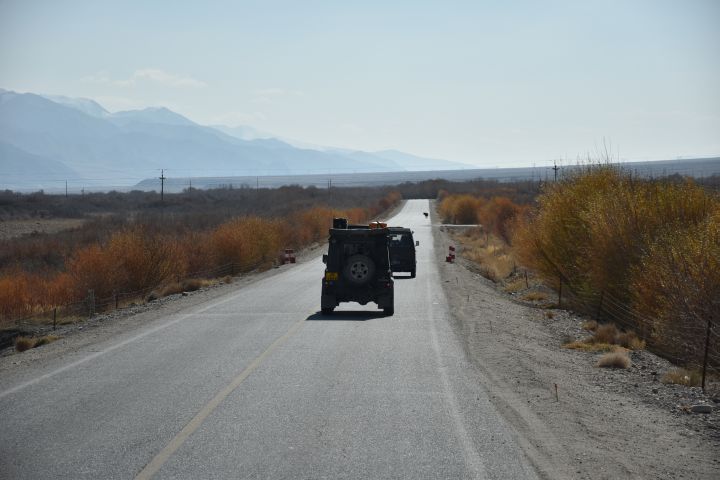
(359,269)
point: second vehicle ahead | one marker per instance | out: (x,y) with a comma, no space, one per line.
(402,250)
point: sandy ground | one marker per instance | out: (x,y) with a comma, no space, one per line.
(603,424)
(17,228)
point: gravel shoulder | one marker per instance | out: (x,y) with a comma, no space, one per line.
(603,423)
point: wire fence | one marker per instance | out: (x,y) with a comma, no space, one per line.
(689,341)
(91,304)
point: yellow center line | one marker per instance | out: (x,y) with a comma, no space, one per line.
(163,456)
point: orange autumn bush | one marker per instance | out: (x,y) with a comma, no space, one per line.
(140,257)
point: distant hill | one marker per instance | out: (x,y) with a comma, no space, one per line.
(49,136)
(16,163)
(415,163)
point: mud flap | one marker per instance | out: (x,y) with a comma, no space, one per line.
(328,301)
(385,301)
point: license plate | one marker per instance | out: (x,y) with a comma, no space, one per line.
(331,276)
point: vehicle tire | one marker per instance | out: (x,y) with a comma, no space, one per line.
(327,311)
(389,311)
(359,269)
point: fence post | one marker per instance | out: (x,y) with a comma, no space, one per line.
(707,347)
(527,284)
(54,318)
(560,294)
(91,302)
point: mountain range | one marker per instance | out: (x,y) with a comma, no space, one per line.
(47,140)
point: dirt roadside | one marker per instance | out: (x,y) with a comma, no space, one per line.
(603,424)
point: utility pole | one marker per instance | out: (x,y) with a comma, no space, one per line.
(162,185)
(65,188)
(556,168)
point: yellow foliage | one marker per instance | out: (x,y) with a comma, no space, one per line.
(654,246)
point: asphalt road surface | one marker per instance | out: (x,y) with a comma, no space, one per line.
(257,384)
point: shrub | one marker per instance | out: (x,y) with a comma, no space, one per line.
(677,284)
(114,254)
(651,247)
(590,325)
(614,360)
(460,209)
(93,268)
(497,216)
(606,337)
(24,343)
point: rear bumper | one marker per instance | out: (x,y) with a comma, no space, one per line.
(332,296)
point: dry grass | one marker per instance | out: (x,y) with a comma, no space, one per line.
(606,337)
(17,228)
(606,333)
(590,325)
(515,285)
(69,320)
(586,346)
(26,343)
(617,359)
(492,255)
(681,376)
(630,341)
(550,315)
(535,297)
(187,285)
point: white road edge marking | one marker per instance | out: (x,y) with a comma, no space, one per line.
(159,460)
(472,458)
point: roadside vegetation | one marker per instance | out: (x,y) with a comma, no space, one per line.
(26,343)
(166,249)
(641,255)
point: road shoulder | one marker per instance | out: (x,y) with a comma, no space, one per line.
(595,427)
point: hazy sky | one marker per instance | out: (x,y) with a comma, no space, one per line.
(485,82)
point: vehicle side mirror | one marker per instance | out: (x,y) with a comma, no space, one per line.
(417,243)
(325,259)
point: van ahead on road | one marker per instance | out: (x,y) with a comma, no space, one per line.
(402,250)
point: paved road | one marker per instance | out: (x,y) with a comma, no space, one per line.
(257,384)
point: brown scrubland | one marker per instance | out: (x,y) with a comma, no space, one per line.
(129,247)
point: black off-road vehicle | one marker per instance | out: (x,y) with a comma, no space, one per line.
(357,267)
(402,250)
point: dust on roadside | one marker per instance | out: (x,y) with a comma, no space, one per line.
(599,423)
